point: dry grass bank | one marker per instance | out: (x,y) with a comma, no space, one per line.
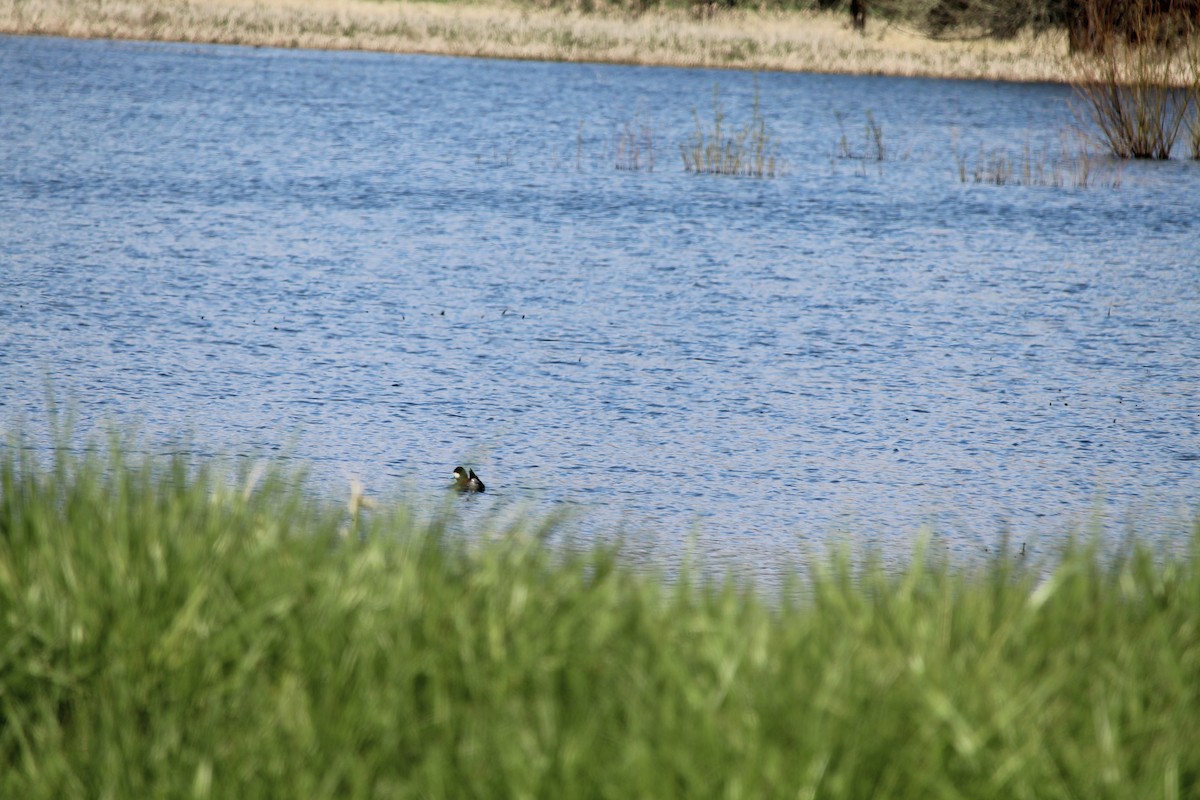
(762,41)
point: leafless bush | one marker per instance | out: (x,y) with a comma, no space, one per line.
(1135,87)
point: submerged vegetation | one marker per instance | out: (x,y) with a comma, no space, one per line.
(1070,165)
(751,150)
(167,631)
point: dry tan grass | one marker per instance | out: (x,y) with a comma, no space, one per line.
(763,41)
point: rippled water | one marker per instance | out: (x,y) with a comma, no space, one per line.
(403,263)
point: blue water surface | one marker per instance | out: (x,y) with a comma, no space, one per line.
(383,266)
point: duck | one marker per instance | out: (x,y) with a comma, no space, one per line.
(467,481)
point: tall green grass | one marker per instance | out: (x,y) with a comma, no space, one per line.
(169,632)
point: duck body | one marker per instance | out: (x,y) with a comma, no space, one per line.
(467,481)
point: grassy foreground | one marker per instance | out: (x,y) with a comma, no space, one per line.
(167,633)
(762,40)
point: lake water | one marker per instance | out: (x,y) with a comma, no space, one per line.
(388,265)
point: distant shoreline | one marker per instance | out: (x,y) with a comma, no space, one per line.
(769,41)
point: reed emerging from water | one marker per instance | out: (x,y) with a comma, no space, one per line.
(873,149)
(169,632)
(635,146)
(1071,165)
(749,150)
